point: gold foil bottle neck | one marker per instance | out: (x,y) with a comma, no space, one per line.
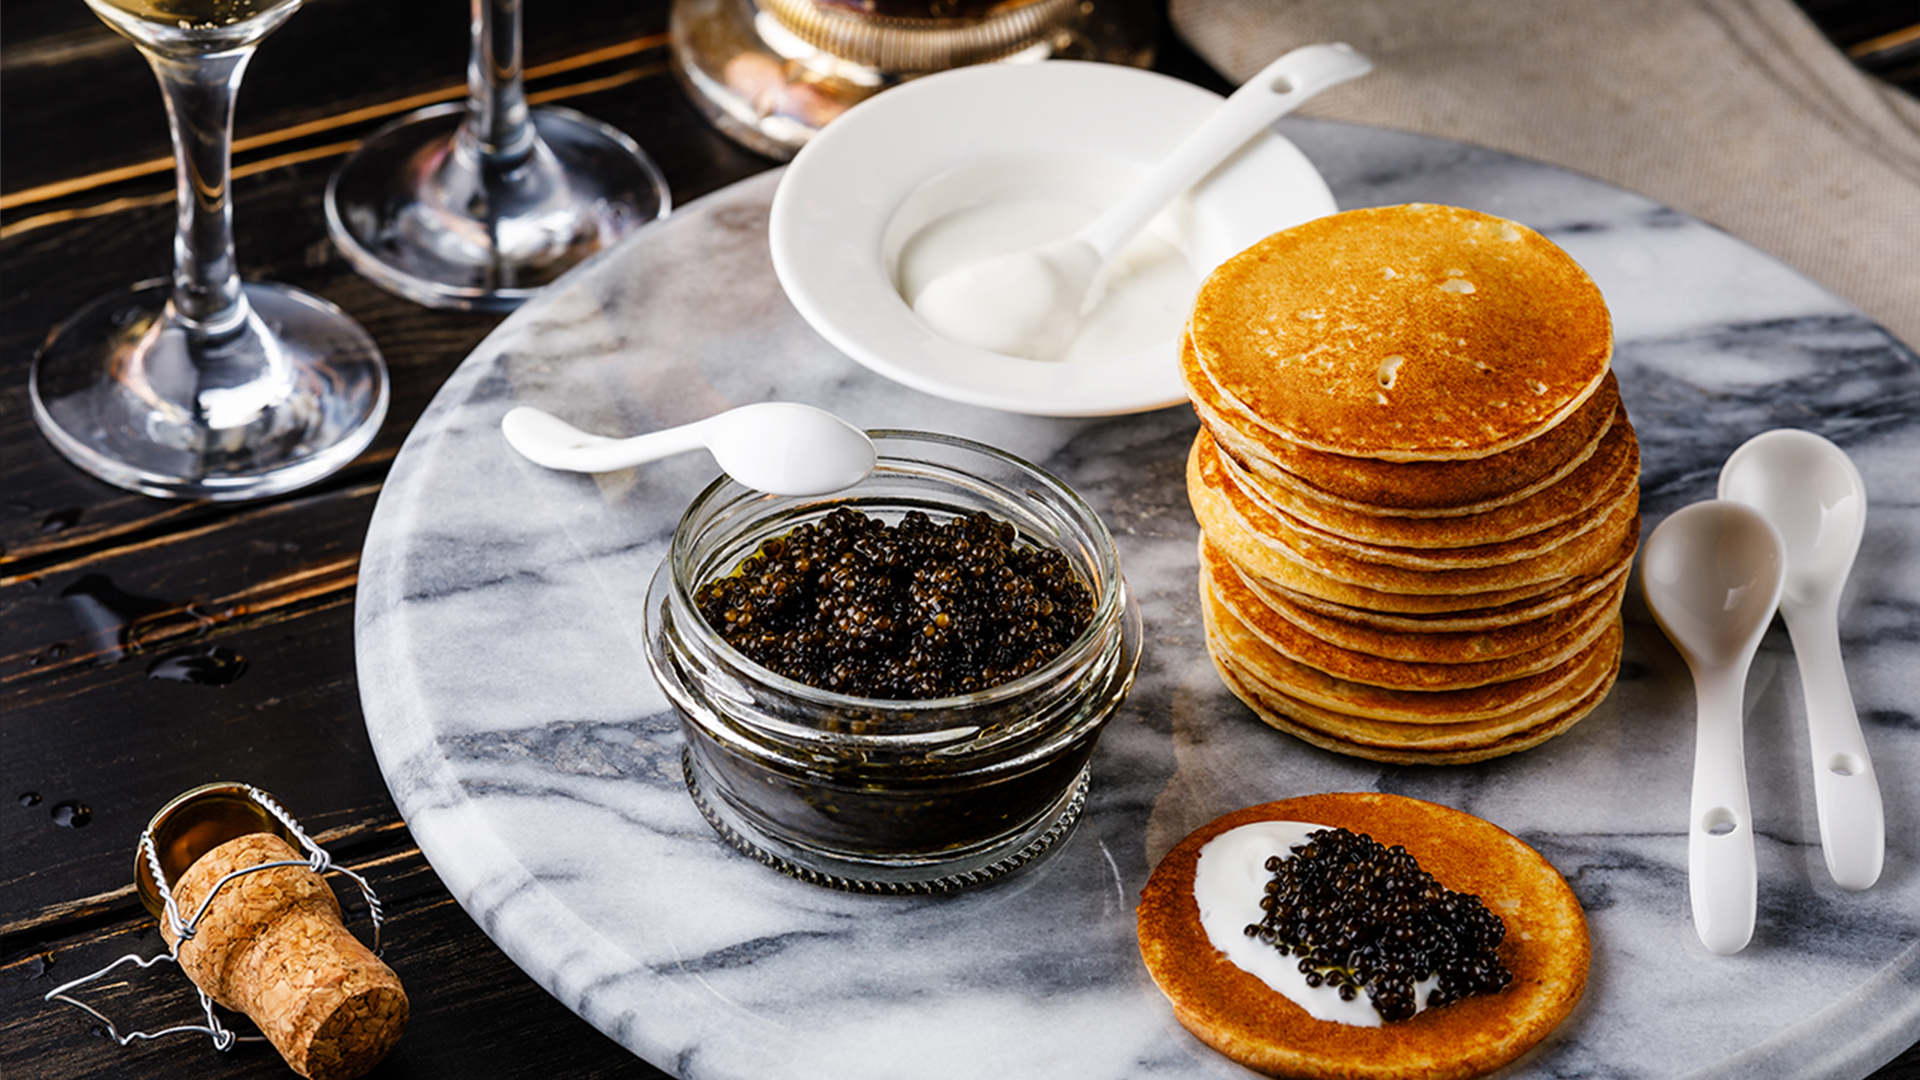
(194,823)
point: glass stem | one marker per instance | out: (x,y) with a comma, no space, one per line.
(199,94)
(496,88)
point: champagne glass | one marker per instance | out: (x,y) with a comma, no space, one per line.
(204,386)
(475,206)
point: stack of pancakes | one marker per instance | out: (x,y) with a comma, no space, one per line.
(1417,487)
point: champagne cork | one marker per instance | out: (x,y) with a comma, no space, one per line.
(273,945)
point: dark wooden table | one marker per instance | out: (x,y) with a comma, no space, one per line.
(97,585)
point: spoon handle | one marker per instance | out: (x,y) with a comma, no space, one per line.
(1277,90)
(1853,829)
(1722,874)
(551,442)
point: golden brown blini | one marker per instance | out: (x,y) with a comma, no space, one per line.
(1428,642)
(1405,333)
(1533,521)
(1284,551)
(1376,666)
(1410,488)
(1235,650)
(1249,671)
(1546,948)
(1572,592)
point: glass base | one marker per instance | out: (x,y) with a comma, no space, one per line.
(127,393)
(420,211)
(879,877)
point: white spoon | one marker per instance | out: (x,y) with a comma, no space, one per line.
(1712,573)
(780,447)
(1813,494)
(1030,303)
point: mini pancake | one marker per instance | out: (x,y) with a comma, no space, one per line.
(1231,645)
(1404,333)
(1351,665)
(1574,511)
(1467,611)
(1411,488)
(1273,548)
(1266,682)
(1280,720)
(1408,744)
(1344,558)
(1421,643)
(1335,619)
(1546,947)
(1605,474)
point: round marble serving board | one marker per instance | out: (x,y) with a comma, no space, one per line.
(500,664)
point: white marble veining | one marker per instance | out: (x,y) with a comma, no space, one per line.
(538,766)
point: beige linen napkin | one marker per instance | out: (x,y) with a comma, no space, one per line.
(1736,111)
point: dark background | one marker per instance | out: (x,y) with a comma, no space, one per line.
(97,585)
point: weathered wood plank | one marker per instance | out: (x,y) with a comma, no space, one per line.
(474,1013)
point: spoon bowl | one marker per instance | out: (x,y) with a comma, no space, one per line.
(1712,573)
(1030,303)
(1813,494)
(779,447)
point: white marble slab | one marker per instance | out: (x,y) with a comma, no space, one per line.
(538,766)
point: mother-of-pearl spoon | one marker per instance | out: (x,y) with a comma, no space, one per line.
(1031,303)
(779,447)
(1814,496)
(1712,573)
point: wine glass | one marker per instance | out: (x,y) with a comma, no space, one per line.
(206,386)
(475,206)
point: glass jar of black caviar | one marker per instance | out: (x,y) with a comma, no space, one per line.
(877,795)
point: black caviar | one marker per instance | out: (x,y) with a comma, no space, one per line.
(914,610)
(1364,917)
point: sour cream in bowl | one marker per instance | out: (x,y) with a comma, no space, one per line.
(961,165)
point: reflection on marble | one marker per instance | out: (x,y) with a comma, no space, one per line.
(501,671)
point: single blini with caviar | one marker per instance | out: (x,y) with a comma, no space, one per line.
(1362,935)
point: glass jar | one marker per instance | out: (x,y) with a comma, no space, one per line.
(881,795)
(771,73)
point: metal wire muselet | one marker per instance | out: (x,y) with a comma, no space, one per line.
(184,930)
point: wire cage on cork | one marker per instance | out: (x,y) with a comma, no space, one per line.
(238,890)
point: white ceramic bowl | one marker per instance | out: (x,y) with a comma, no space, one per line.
(889,166)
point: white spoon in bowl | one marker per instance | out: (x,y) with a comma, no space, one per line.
(780,447)
(1030,303)
(1814,496)
(1712,573)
